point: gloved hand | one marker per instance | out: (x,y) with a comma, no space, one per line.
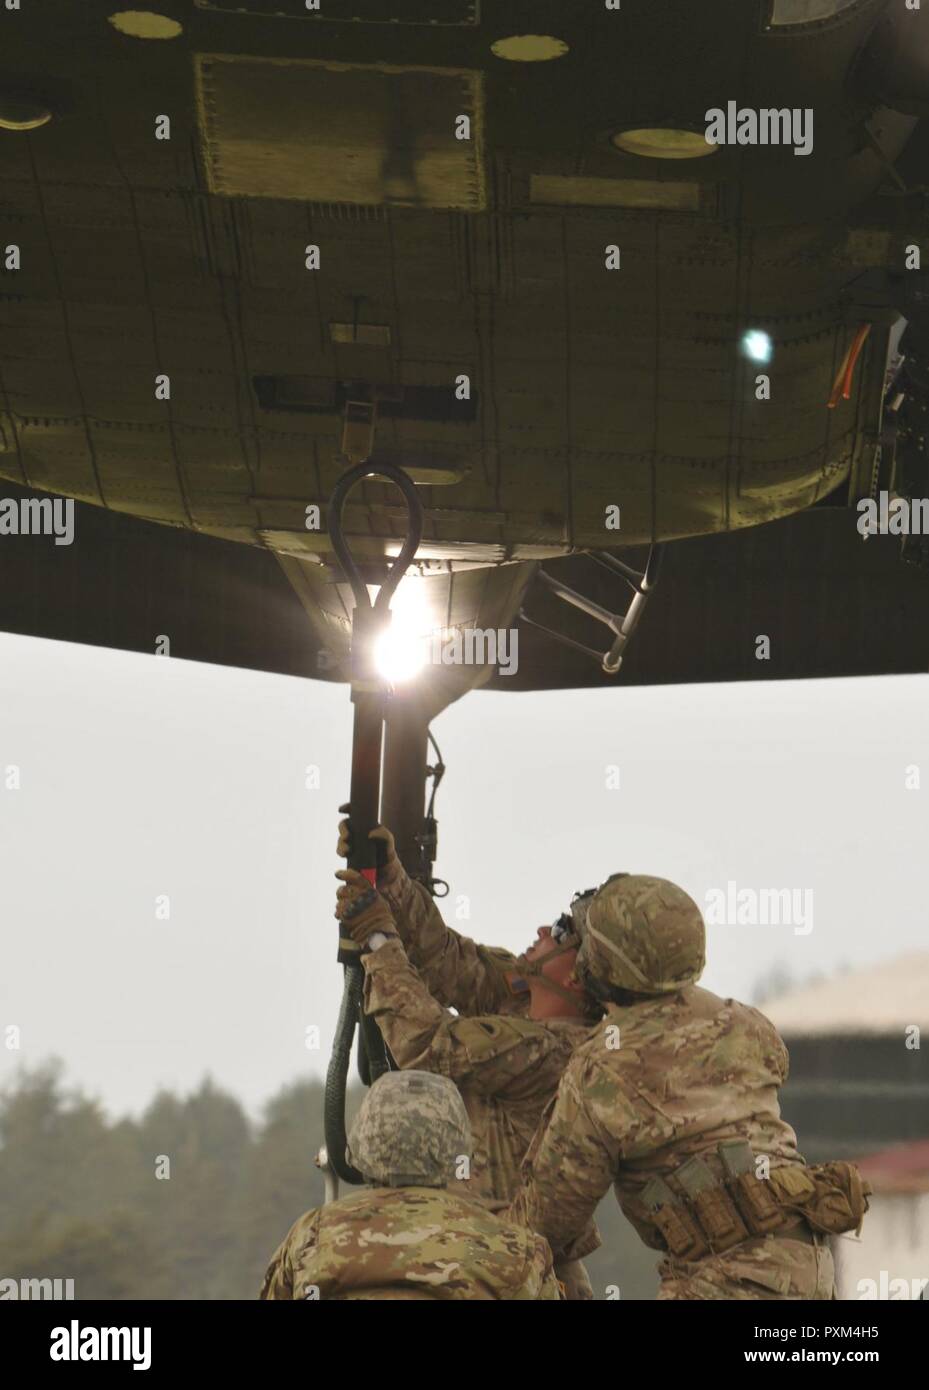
(574,1279)
(360,908)
(390,869)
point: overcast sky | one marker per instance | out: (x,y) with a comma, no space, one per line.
(143,777)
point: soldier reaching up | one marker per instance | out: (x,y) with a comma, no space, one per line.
(518,1019)
(674,1100)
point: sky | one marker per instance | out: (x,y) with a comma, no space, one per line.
(145,778)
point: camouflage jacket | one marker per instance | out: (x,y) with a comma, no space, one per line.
(656,1082)
(409,1243)
(456,971)
(507,1067)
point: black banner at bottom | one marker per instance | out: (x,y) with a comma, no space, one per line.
(167,1338)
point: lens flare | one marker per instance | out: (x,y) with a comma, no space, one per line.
(402,651)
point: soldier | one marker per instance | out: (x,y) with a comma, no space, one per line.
(673,1100)
(518,1019)
(408,1235)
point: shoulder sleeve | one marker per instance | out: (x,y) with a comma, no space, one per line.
(279,1277)
(456,970)
(771,1048)
(513,1058)
(492,1052)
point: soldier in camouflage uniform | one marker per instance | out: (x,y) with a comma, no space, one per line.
(519,1018)
(674,1100)
(409,1236)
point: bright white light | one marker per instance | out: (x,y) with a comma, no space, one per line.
(757,345)
(402,651)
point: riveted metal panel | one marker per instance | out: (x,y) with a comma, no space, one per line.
(340,132)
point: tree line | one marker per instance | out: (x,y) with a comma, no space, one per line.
(80,1197)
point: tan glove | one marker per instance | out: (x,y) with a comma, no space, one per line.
(360,908)
(391,869)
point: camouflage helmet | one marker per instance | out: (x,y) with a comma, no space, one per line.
(642,934)
(411,1128)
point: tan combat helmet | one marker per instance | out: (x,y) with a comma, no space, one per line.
(410,1131)
(642,934)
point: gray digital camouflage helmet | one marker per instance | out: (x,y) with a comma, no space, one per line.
(410,1131)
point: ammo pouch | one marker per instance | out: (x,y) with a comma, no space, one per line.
(832,1197)
(711,1214)
(718,1216)
(703,1221)
(759,1206)
(677,1227)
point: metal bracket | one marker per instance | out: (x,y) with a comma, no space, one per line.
(621,624)
(359,421)
(883,296)
(330,1177)
(428,841)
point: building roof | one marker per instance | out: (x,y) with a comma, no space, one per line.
(884,998)
(904,1168)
